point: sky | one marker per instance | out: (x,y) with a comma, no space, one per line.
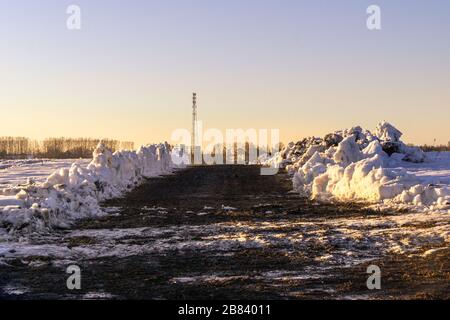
(304,67)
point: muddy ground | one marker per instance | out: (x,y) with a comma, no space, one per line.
(179,241)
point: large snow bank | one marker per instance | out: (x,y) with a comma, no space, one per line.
(355,164)
(75,192)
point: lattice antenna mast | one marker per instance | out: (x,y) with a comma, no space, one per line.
(194,124)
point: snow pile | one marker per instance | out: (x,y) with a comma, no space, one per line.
(355,164)
(75,192)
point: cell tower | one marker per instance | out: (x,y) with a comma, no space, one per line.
(194,124)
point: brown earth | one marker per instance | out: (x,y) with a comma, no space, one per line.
(274,271)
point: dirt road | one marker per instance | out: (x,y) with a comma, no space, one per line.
(227,232)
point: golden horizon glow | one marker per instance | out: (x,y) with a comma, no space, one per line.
(130,72)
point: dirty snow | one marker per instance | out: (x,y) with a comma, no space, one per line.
(351,240)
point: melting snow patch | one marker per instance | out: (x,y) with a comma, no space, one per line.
(97,296)
(432,251)
(228,208)
(14,290)
(153,208)
(289,275)
(354,240)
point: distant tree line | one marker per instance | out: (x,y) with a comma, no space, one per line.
(55,148)
(440,148)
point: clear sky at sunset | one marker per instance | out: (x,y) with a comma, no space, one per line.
(305,67)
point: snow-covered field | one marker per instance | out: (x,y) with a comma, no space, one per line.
(20,172)
(376,168)
(435,170)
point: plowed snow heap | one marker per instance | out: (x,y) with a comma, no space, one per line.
(353,164)
(70,194)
